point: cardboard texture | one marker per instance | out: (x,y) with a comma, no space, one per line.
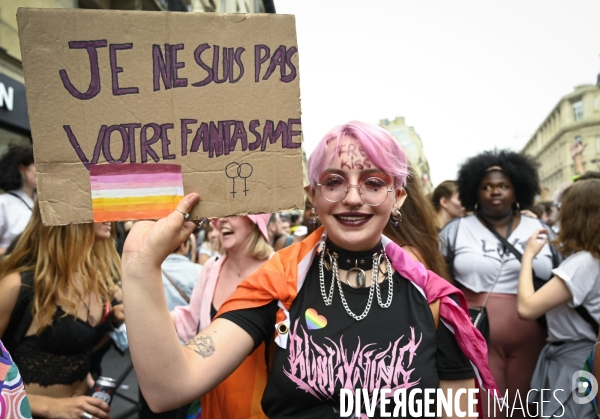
(217,95)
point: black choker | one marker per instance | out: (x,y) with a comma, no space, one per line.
(347,259)
(357,262)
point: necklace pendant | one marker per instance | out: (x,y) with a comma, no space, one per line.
(360,277)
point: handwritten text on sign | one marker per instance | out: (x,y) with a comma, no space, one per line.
(212,137)
(198,90)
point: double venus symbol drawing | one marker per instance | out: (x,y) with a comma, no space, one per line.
(238,170)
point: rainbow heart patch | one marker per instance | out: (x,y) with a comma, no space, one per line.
(314,320)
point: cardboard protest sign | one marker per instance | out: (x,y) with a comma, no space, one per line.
(131,110)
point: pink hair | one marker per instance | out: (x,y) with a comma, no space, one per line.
(381,147)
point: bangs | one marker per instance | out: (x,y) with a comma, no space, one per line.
(378,144)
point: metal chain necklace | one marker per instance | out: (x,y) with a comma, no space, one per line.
(328,300)
(335,277)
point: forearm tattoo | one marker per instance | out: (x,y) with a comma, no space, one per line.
(203,345)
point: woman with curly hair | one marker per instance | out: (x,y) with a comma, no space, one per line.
(18,181)
(58,297)
(495,185)
(570,300)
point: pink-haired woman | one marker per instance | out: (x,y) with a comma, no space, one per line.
(344,309)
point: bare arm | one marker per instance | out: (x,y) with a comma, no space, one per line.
(532,304)
(10,286)
(457,385)
(576,151)
(171,375)
(67,407)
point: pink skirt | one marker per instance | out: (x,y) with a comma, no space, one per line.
(513,350)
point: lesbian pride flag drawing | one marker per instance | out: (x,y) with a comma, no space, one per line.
(135,191)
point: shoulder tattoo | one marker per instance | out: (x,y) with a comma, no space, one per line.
(203,345)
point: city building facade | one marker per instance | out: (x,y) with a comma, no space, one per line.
(411,142)
(575,118)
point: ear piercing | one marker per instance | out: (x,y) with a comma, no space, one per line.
(314,219)
(396,217)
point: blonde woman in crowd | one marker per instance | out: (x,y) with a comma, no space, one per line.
(58,297)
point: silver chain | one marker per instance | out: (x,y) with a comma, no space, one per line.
(374,285)
(388,269)
(328,300)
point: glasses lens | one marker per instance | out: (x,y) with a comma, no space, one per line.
(333,188)
(374,191)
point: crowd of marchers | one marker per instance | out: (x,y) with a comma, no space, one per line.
(481,283)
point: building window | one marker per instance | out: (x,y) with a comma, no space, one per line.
(577,110)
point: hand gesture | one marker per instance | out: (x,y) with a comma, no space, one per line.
(535,243)
(76,407)
(153,241)
(577,149)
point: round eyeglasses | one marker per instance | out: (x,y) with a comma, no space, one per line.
(373,191)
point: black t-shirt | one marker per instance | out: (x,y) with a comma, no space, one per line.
(327,350)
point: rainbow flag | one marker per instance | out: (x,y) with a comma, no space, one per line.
(135,191)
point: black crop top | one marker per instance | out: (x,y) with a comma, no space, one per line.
(61,353)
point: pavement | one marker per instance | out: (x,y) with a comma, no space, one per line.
(118,366)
